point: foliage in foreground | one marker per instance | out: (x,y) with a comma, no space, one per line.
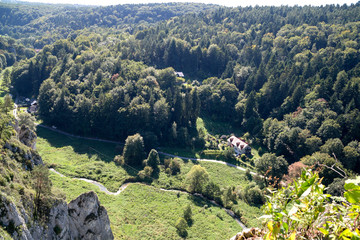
(303,211)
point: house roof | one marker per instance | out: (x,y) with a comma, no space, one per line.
(237,142)
(179,74)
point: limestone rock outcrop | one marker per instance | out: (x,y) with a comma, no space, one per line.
(27,137)
(89,219)
(249,234)
(83,218)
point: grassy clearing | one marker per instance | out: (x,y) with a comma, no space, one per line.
(144,212)
(219,128)
(222,175)
(82,158)
(77,158)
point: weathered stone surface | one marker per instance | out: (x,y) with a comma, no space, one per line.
(249,234)
(89,219)
(11,219)
(83,218)
(27,137)
(30,157)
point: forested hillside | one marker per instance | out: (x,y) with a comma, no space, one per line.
(44,24)
(286,79)
(286,75)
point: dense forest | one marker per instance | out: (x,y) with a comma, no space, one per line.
(286,75)
(36,24)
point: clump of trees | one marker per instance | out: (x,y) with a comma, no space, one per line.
(183,223)
(196,179)
(172,166)
(133,152)
(291,82)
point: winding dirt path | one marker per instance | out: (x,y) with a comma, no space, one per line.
(125,185)
(206,160)
(161,153)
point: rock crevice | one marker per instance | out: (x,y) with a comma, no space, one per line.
(82,218)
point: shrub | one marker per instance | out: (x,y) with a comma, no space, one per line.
(255,197)
(146,173)
(2,181)
(119,160)
(188,214)
(181,227)
(175,166)
(172,166)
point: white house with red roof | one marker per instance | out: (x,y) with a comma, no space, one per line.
(239,145)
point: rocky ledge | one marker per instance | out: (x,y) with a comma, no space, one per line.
(82,218)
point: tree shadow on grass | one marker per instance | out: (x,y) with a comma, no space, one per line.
(101,151)
(105,151)
(199,201)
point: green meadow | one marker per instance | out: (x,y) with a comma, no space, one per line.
(146,212)
(141,211)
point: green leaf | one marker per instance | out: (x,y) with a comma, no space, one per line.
(293,236)
(345,233)
(307,192)
(352,196)
(305,186)
(356,235)
(351,186)
(285,226)
(323,231)
(293,210)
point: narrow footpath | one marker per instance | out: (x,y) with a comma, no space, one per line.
(206,160)
(161,153)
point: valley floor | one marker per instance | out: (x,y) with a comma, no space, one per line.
(140,210)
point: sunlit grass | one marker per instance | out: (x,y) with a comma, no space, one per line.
(145,212)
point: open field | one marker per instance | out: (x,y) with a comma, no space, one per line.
(145,212)
(93,160)
(80,158)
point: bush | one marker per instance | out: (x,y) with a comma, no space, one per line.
(168,171)
(255,197)
(146,173)
(172,166)
(229,154)
(188,214)
(119,160)
(2,181)
(175,166)
(181,227)
(153,160)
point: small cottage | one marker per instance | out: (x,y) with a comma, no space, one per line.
(179,74)
(33,107)
(240,146)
